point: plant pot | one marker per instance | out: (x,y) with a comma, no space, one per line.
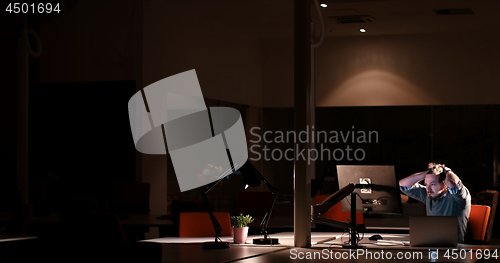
(240,235)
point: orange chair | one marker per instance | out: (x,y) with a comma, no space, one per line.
(198,224)
(489,198)
(478,222)
(336,213)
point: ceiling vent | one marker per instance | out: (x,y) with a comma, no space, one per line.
(351,19)
(454,11)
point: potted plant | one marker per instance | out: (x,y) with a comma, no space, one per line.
(240,227)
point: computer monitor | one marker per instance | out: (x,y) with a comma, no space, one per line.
(381,196)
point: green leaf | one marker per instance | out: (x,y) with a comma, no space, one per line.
(241,220)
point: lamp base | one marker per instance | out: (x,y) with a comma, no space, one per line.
(215,245)
(266,241)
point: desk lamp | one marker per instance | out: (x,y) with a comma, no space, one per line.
(218,243)
(252,177)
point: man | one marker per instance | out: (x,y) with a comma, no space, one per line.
(443,194)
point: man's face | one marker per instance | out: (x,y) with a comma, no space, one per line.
(434,188)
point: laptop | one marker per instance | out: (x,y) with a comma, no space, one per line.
(433,231)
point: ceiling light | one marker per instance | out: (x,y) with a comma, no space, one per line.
(362,30)
(323,5)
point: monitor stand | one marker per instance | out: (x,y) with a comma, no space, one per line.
(353,229)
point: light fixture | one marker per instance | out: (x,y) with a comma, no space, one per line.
(252,177)
(362,30)
(323,5)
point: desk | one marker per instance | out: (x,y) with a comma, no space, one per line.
(285,238)
(146,220)
(395,241)
(195,253)
(338,255)
(138,221)
(176,249)
(8,238)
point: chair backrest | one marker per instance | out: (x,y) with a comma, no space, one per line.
(478,222)
(489,198)
(198,224)
(181,206)
(336,213)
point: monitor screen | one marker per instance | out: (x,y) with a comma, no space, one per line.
(381,197)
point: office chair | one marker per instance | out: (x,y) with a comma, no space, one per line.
(198,224)
(489,198)
(478,223)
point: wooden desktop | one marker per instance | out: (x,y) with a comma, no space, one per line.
(325,245)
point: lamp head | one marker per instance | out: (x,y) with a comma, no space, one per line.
(249,175)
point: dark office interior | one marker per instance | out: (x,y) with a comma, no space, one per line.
(422,77)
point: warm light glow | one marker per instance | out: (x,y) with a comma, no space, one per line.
(324,5)
(375,87)
(362,30)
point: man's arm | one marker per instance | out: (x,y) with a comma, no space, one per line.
(409,186)
(412,179)
(451,178)
(455,186)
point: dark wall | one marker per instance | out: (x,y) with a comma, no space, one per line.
(460,136)
(8,111)
(80,137)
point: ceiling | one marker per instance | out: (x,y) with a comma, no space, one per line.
(274,18)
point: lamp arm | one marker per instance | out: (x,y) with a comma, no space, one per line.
(215,222)
(211,185)
(265,182)
(267,216)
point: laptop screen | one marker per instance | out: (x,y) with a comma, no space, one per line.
(433,231)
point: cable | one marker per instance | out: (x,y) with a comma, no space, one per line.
(37,40)
(358,239)
(269,236)
(26,31)
(349,202)
(322,21)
